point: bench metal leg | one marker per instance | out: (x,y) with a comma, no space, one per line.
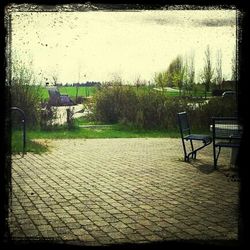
(193,153)
(185,151)
(216,156)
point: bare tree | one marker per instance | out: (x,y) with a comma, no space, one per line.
(78,80)
(191,72)
(137,82)
(208,71)
(185,76)
(188,73)
(116,78)
(218,77)
(234,66)
(54,76)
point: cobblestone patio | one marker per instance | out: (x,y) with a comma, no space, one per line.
(107,191)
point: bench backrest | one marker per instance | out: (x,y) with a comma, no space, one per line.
(183,123)
(227,128)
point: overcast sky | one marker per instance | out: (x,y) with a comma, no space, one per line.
(102,45)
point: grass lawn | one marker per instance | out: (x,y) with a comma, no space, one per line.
(171,91)
(90,91)
(82,91)
(31,146)
(112,131)
(71,91)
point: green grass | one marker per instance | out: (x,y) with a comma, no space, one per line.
(44,94)
(84,121)
(82,91)
(31,146)
(90,91)
(112,131)
(198,93)
(70,91)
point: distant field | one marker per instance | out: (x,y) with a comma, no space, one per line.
(71,91)
(82,91)
(89,91)
(173,92)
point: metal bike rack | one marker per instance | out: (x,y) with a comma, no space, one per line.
(24,125)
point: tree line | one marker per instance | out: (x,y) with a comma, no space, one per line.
(181,73)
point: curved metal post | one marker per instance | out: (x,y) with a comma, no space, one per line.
(24,126)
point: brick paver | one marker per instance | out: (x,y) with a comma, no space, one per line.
(104,191)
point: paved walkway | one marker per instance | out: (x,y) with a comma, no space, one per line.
(104,191)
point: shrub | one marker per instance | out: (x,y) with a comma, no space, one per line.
(175,105)
(142,109)
(217,92)
(153,110)
(217,106)
(151,106)
(24,95)
(115,103)
(48,114)
(104,109)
